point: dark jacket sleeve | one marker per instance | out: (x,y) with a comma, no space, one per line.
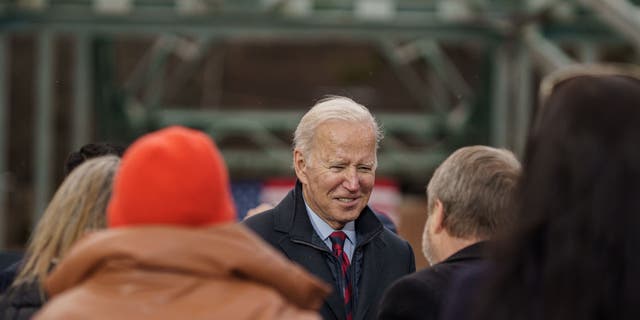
(263,225)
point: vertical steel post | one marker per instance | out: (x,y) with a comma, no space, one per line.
(588,53)
(81,92)
(524,99)
(43,153)
(500,97)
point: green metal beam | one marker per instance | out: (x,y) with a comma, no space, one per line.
(247,121)
(81,93)
(410,78)
(251,25)
(43,153)
(545,53)
(523,73)
(500,96)
(273,157)
(407,165)
(446,70)
(621,15)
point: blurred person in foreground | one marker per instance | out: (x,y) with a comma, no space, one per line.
(78,206)
(469,199)
(324,223)
(172,249)
(74,159)
(574,253)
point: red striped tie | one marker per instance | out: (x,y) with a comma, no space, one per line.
(337,239)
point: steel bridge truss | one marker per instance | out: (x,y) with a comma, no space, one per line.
(522,41)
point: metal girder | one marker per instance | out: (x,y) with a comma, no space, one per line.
(44,141)
(150,70)
(512,97)
(546,54)
(193,54)
(239,121)
(410,78)
(157,70)
(588,53)
(444,68)
(325,19)
(274,155)
(523,77)
(422,24)
(619,14)
(323,24)
(446,73)
(407,165)
(82,92)
(500,97)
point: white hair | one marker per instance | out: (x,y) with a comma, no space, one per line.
(332,108)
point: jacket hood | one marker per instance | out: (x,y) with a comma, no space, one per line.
(227,250)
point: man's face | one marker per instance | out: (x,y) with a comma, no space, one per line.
(427,240)
(338,176)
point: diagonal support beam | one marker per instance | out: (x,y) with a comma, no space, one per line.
(444,68)
(622,15)
(545,53)
(411,80)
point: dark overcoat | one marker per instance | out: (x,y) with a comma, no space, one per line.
(379,257)
(421,295)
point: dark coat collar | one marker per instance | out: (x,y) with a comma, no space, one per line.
(293,219)
(472,252)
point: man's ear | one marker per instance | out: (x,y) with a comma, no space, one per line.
(438,217)
(300,166)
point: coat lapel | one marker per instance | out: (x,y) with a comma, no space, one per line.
(314,261)
(368,284)
(305,247)
(368,227)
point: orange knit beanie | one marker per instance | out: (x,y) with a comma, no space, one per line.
(174,176)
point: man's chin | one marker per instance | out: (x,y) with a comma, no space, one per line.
(351,215)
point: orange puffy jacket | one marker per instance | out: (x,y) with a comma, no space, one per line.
(161,272)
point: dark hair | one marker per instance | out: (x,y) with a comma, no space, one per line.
(89,151)
(574,254)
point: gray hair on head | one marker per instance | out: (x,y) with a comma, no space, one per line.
(332,108)
(475,185)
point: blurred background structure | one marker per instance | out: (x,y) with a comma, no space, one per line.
(438,74)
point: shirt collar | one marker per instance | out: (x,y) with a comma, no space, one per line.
(324,230)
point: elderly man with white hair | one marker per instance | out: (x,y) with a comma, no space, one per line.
(324,223)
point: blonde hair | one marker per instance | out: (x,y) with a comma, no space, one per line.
(78,206)
(332,108)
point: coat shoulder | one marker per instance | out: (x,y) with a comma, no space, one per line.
(409,298)
(261,223)
(399,246)
(393,239)
(264,225)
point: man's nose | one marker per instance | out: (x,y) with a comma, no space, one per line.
(351,181)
